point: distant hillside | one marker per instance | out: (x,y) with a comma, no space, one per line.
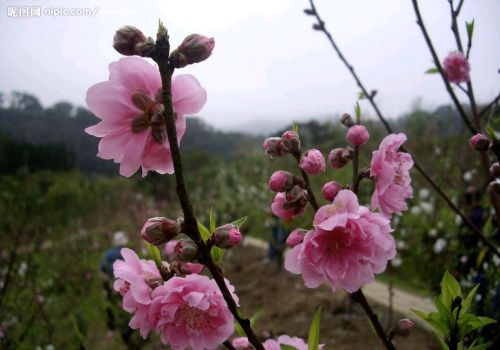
(25,120)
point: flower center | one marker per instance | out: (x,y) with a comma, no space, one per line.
(153,116)
(194,320)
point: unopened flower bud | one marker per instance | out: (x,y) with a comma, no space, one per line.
(273,147)
(339,157)
(291,141)
(296,198)
(312,162)
(131,41)
(406,324)
(347,120)
(281,181)
(226,236)
(186,250)
(479,142)
(357,135)
(495,170)
(330,190)
(494,187)
(193,49)
(159,230)
(296,237)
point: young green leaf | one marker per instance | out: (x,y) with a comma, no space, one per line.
(204,232)
(239,330)
(212,220)
(154,253)
(287,347)
(217,254)
(238,223)
(491,132)
(361,95)
(468,300)
(432,70)
(470,29)
(450,289)
(357,110)
(313,338)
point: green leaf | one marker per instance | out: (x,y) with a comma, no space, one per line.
(444,346)
(491,132)
(217,254)
(432,70)
(357,110)
(468,300)
(239,330)
(433,319)
(469,323)
(204,232)
(479,347)
(361,95)
(287,347)
(238,223)
(470,29)
(253,319)
(154,253)
(313,338)
(450,289)
(295,127)
(212,220)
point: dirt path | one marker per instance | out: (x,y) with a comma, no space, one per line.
(378,292)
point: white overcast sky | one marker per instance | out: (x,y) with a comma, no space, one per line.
(268,65)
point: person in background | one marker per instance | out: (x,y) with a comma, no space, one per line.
(277,238)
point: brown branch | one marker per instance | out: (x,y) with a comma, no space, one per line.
(390,131)
(228,345)
(437,62)
(160,56)
(490,105)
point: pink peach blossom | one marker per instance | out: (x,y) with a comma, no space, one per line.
(330,190)
(190,312)
(279,207)
(456,67)
(347,247)
(391,171)
(132,127)
(281,181)
(297,343)
(133,277)
(357,135)
(295,237)
(312,162)
(242,343)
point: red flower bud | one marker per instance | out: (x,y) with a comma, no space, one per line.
(480,142)
(195,48)
(291,141)
(495,170)
(346,120)
(330,190)
(159,230)
(357,135)
(273,147)
(296,237)
(186,250)
(226,236)
(281,181)
(339,157)
(131,41)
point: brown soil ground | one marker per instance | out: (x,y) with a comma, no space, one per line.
(286,306)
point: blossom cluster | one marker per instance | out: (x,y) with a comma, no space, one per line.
(348,243)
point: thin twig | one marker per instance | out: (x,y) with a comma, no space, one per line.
(491,104)
(390,131)
(190,222)
(310,192)
(228,345)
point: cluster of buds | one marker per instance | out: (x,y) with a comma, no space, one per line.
(186,250)
(130,41)
(160,230)
(339,157)
(225,237)
(283,181)
(289,142)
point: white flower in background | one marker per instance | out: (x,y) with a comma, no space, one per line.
(424,193)
(396,221)
(396,262)
(403,232)
(50,347)
(416,210)
(439,245)
(463,259)
(478,297)
(22,268)
(440,224)
(401,245)
(496,260)
(437,150)
(458,220)
(485,266)
(427,207)
(469,175)
(432,232)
